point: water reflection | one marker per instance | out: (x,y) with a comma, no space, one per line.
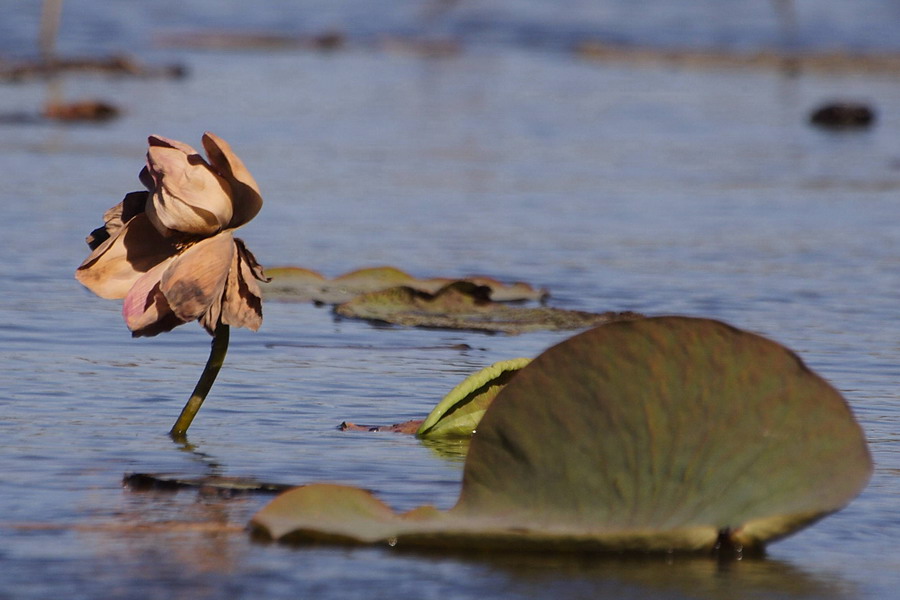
(182,542)
(453,449)
(195,542)
(531,576)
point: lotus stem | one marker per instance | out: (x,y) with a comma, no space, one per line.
(218,349)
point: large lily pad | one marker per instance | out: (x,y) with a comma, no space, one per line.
(465,305)
(660,434)
(304,285)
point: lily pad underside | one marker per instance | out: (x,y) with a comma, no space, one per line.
(660,434)
(466,305)
(297,284)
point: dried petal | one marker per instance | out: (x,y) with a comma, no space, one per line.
(195,281)
(163,142)
(117,263)
(247,256)
(147,179)
(242,304)
(145,309)
(188,195)
(246,198)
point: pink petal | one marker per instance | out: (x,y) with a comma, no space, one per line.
(145,309)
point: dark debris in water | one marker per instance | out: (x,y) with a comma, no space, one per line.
(409,427)
(843,115)
(790,63)
(85,110)
(210,485)
(262,40)
(328,40)
(82,111)
(371,347)
(118,65)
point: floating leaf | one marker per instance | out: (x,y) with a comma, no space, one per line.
(294,283)
(465,305)
(459,413)
(303,285)
(661,434)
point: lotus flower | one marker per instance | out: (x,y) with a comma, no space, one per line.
(170,252)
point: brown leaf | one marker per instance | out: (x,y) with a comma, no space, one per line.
(407,427)
(303,285)
(464,305)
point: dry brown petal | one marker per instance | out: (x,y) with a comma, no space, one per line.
(195,281)
(114,218)
(164,142)
(188,195)
(147,179)
(246,198)
(248,257)
(242,303)
(117,263)
(145,309)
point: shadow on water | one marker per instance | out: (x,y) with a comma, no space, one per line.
(670,577)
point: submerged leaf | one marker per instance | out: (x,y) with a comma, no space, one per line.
(303,285)
(211,483)
(409,427)
(459,413)
(661,434)
(465,305)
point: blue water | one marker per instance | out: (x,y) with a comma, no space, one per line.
(618,188)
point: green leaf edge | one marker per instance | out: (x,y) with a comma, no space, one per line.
(473,388)
(346,515)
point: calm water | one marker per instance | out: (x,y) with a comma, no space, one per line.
(668,192)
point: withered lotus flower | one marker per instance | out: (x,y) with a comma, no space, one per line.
(170,251)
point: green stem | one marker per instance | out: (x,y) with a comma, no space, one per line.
(216,358)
